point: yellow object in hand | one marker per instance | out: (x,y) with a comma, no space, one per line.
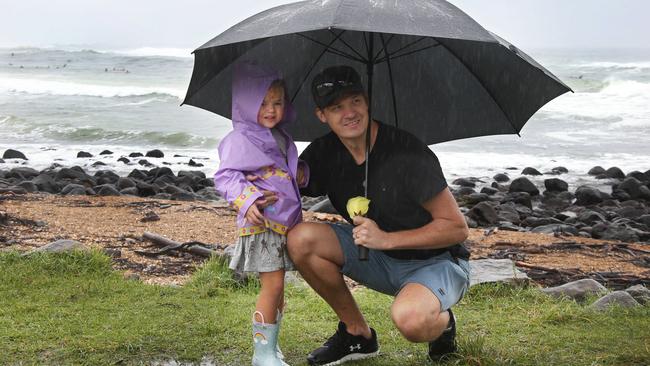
(357,206)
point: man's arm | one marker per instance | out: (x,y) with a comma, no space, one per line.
(447,228)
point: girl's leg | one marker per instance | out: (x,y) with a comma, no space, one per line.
(271,296)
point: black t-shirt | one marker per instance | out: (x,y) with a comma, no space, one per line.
(403,174)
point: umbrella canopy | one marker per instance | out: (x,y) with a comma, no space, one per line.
(432,69)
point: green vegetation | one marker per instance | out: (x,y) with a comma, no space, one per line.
(74,309)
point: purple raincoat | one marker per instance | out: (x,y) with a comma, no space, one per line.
(251,149)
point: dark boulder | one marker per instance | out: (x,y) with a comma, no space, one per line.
(532,221)
(46,183)
(124,182)
(28,186)
(464,182)
(145,163)
(489,190)
(620,195)
(73,190)
(106,152)
(631,186)
(501,178)
(107,190)
(84,154)
(159,172)
(522,184)
(146,189)
(106,177)
(155,154)
(191,173)
(597,170)
(508,212)
(484,213)
(22,173)
(636,174)
(124,160)
(206,182)
(530,171)
(559,170)
(194,163)
(75,173)
(631,212)
(131,191)
(138,174)
(607,231)
(615,172)
(522,198)
(590,217)
(164,181)
(587,196)
(556,185)
(13,154)
(98,163)
(135,155)
(474,198)
(463,191)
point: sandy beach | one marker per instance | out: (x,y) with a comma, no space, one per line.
(115,224)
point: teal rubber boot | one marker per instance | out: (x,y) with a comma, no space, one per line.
(278,321)
(265,341)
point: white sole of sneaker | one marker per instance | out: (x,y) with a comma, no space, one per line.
(352,357)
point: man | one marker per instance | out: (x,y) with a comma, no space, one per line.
(412,228)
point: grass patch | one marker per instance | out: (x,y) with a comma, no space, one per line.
(74,309)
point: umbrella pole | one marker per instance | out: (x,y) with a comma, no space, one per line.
(363,251)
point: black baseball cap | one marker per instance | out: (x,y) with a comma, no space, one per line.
(333,83)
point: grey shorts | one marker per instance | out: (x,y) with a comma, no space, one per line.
(446,278)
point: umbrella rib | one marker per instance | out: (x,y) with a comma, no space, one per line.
(484,88)
(390,76)
(384,59)
(340,39)
(330,49)
(314,65)
(384,46)
(409,45)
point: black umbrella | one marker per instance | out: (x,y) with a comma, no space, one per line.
(430,69)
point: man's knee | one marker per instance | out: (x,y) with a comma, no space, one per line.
(300,240)
(411,322)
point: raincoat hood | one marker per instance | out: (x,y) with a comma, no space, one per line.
(250,83)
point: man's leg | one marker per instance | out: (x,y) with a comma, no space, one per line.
(316,253)
(416,314)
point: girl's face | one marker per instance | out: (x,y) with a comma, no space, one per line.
(272,108)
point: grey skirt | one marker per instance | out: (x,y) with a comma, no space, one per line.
(263,252)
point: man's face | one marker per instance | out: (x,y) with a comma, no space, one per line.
(347,117)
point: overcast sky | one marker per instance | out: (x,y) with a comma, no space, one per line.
(120,24)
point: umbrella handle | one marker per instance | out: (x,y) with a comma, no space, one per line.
(363,253)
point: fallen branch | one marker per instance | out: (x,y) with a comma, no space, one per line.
(169,245)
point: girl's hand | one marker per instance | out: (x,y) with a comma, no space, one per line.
(300,176)
(253,215)
(270,197)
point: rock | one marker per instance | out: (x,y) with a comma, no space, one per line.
(145,163)
(112,252)
(577,290)
(98,163)
(640,293)
(587,196)
(495,270)
(463,191)
(191,173)
(135,155)
(73,189)
(615,172)
(13,154)
(501,178)
(559,170)
(508,212)
(522,198)
(75,173)
(84,154)
(597,170)
(631,186)
(484,213)
(2,161)
(324,206)
(124,160)
(631,212)
(614,232)
(59,246)
(106,177)
(193,163)
(530,171)
(28,186)
(123,182)
(645,220)
(556,185)
(464,182)
(474,198)
(131,191)
(22,173)
(155,154)
(106,152)
(471,223)
(523,185)
(46,183)
(107,190)
(161,172)
(489,190)
(553,229)
(590,217)
(616,298)
(150,217)
(138,174)
(147,190)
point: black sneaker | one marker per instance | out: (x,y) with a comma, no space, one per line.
(343,347)
(445,345)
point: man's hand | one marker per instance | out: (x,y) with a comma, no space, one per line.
(270,197)
(253,215)
(367,233)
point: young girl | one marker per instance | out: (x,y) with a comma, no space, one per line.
(259,146)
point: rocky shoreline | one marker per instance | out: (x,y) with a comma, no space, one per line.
(518,204)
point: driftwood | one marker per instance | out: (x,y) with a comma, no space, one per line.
(168,245)
(554,276)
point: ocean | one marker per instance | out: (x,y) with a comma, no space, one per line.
(55,102)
